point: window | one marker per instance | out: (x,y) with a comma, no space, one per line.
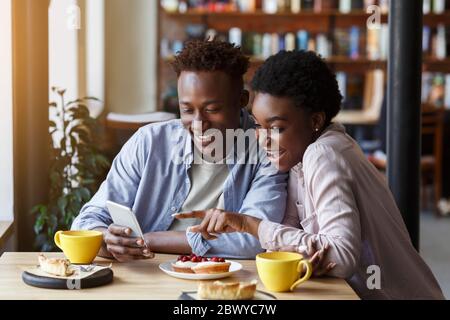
(76,50)
(6,113)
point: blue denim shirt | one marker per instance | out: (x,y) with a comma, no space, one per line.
(145,177)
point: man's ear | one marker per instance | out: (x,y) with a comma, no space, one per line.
(244,99)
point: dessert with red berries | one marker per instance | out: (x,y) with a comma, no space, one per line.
(198,264)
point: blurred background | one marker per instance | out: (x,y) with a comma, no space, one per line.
(79,77)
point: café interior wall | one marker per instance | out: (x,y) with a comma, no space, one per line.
(131,56)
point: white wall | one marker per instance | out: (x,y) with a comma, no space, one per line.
(131,44)
(6,115)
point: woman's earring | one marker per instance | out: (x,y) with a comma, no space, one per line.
(317,129)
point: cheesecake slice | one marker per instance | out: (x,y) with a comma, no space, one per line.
(53,266)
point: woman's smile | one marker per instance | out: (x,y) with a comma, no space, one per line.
(276,155)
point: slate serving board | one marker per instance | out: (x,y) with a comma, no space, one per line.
(99,278)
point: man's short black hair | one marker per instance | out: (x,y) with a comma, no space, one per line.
(212,55)
(302,76)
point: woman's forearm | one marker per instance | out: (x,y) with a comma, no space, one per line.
(251,225)
(342,251)
(168,242)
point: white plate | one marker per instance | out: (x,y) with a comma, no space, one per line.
(167,268)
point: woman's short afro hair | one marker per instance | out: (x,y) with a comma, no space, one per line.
(211,55)
(302,76)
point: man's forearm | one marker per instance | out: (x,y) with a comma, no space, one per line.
(168,242)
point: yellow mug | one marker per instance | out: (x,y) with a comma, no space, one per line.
(80,247)
(280,271)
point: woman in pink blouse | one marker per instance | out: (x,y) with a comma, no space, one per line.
(336,199)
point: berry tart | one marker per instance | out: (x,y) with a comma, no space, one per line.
(199,264)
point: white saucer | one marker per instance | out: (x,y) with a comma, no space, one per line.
(167,268)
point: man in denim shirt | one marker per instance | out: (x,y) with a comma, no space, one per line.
(157,175)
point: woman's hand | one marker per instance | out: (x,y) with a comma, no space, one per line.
(215,221)
(316,255)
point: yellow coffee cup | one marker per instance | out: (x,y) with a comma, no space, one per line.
(80,247)
(280,271)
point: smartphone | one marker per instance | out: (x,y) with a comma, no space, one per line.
(124,216)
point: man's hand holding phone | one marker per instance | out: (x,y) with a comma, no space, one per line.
(120,245)
(124,239)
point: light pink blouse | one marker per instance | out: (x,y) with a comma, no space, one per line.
(339,198)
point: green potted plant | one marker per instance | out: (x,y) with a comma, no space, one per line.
(76,170)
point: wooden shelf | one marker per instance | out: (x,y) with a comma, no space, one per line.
(435,19)
(342,59)
(436,65)
(436,61)
(303,18)
(335,61)
(279,22)
(359,65)
(259,14)
(428,19)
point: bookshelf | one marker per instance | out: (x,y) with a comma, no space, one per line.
(173,27)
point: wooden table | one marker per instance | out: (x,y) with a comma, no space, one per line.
(144,280)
